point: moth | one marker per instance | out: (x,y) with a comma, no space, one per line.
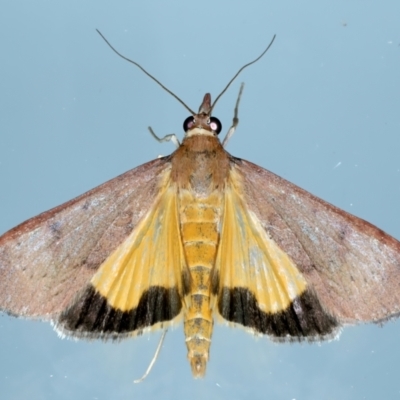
(198,236)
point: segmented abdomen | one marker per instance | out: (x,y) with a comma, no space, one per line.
(199,220)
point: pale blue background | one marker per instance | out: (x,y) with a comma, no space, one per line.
(322,109)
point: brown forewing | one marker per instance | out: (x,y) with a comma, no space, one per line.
(352,266)
(47,260)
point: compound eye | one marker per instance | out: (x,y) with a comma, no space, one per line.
(188,123)
(215,125)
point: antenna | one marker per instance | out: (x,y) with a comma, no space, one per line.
(240,70)
(172,93)
(147,73)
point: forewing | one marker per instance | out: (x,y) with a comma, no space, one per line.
(140,284)
(351,266)
(47,260)
(259,285)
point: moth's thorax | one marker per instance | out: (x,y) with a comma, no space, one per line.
(200,164)
(199,132)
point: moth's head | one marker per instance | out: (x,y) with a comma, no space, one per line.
(202,123)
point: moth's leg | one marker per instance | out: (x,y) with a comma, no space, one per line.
(167,138)
(154,359)
(235,120)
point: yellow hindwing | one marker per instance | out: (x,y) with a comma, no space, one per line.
(247,258)
(151,256)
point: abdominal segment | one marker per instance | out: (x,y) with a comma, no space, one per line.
(199,221)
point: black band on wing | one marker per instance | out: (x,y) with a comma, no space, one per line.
(92,316)
(304,319)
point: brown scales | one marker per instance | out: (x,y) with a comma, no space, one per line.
(201,164)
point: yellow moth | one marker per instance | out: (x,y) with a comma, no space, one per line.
(195,236)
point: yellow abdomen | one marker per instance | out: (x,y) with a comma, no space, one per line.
(199,219)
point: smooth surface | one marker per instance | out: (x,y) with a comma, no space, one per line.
(321,109)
